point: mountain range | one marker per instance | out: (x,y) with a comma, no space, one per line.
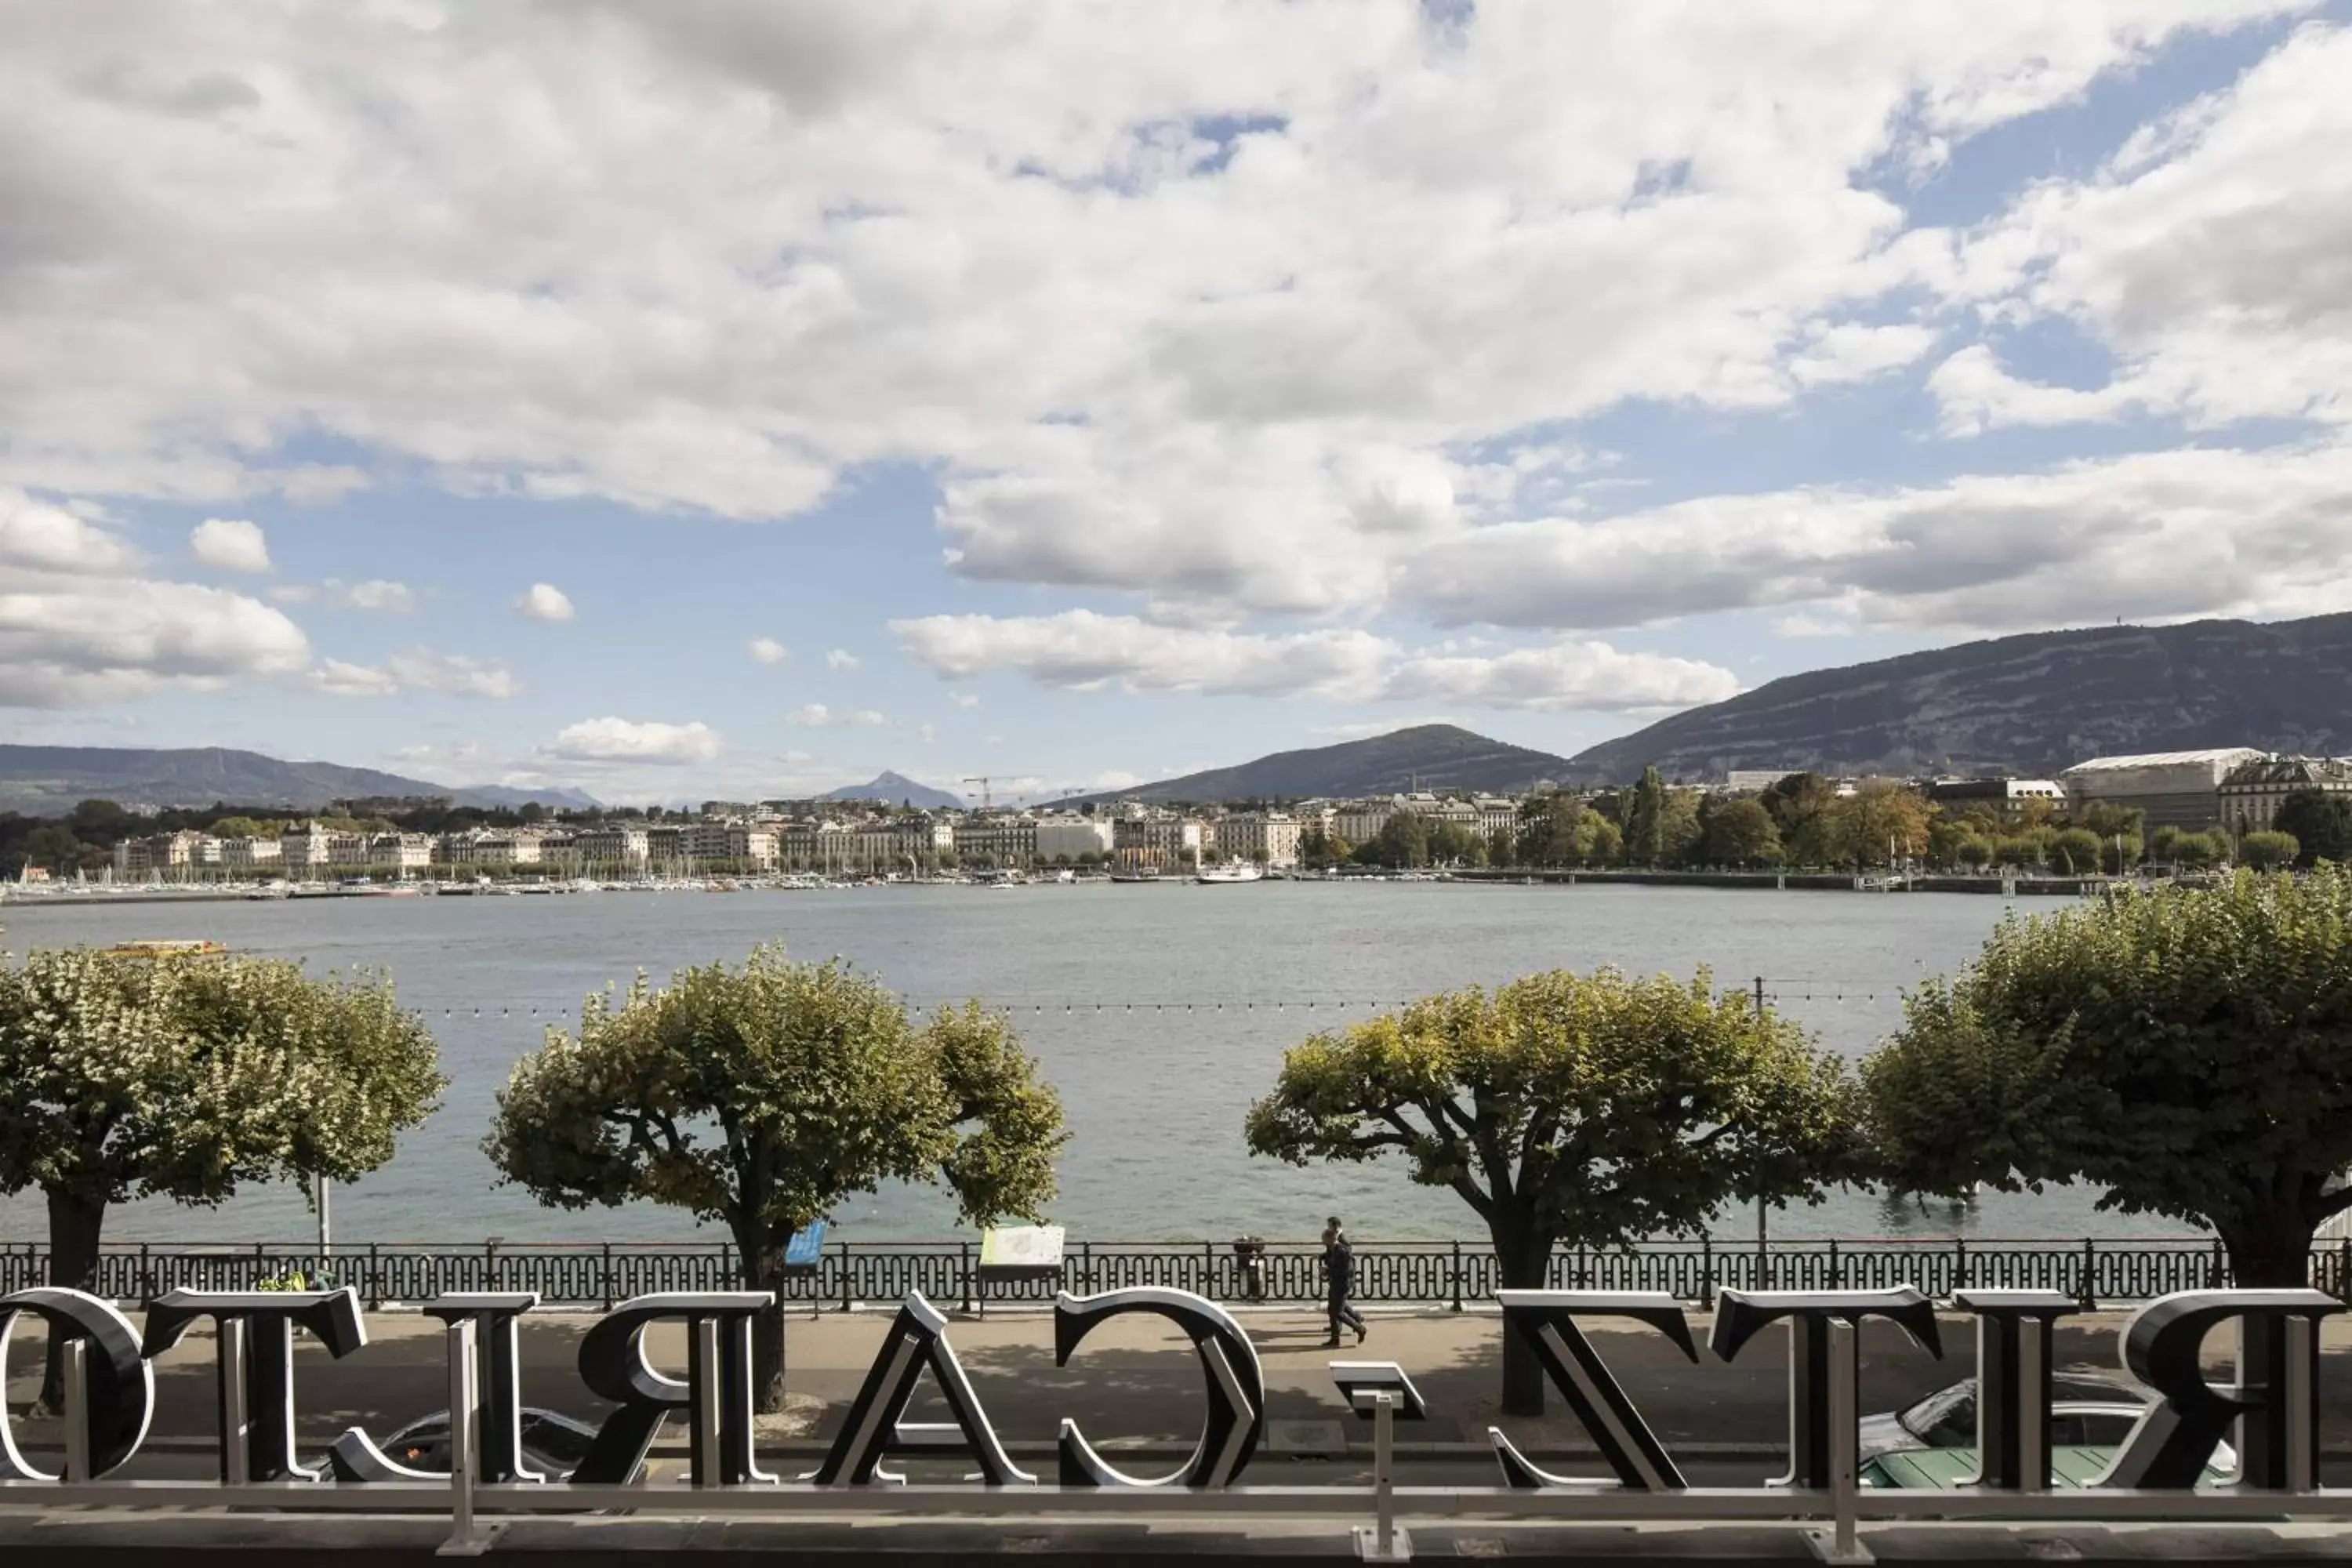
(1425,756)
(48,780)
(2033,704)
(898,789)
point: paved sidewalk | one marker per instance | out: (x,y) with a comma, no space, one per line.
(1135,1380)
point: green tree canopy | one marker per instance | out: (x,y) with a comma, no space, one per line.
(1565,1108)
(2188,1050)
(1742,833)
(2320,822)
(186,1077)
(759,1098)
(1645,821)
(2268,851)
(2075,852)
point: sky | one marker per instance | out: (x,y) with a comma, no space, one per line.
(727,398)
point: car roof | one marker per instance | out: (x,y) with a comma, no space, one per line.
(1941,1469)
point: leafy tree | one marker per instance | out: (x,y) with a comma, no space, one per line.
(243,827)
(2019,853)
(761,1097)
(2268,851)
(2163,843)
(2321,825)
(1682,835)
(1563,1108)
(1797,798)
(1741,833)
(186,1077)
(1404,841)
(2189,1050)
(53,847)
(1972,852)
(2075,851)
(1879,819)
(1645,821)
(2199,852)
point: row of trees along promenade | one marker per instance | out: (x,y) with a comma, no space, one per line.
(2187,1050)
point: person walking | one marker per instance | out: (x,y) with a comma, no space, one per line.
(1339,1278)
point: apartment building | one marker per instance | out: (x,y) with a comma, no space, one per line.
(2249,795)
(401,852)
(997,840)
(1269,838)
(1068,836)
(252,853)
(1162,843)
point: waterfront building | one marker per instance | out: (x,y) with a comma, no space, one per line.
(1162,842)
(306,847)
(612,844)
(997,841)
(251,854)
(665,843)
(2251,794)
(2005,796)
(132,858)
(737,843)
(1497,815)
(1360,821)
(401,852)
(2174,789)
(1269,838)
(1067,836)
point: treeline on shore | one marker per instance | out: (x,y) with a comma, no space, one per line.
(1804,822)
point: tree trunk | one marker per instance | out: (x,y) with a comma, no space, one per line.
(2274,1253)
(1523,1261)
(762,1266)
(74,1224)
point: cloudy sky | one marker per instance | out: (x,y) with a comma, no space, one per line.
(727,397)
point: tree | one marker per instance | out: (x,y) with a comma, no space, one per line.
(2268,851)
(2164,844)
(1404,841)
(2191,1050)
(761,1097)
(1682,833)
(186,1077)
(53,846)
(1879,822)
(1796,797)
(1741,833)
(2199,852)
(2321,824)
(1645,821)
(2075,852)
(1565,1108)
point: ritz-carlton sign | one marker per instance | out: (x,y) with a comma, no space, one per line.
(111,1386)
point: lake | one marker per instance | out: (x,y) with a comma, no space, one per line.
(1160,1013)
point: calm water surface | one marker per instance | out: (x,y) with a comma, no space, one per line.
(1150,1007)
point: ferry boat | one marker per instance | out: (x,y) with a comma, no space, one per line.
(1230,871)
(1138,874)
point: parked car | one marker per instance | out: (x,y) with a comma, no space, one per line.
(552,1442)
(2098,1412)
(2072,1466)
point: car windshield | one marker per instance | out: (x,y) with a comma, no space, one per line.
(1945,1419)
(557,1440)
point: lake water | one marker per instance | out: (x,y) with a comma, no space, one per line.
(1160,1013)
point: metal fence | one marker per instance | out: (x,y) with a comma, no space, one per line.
(1431,1274)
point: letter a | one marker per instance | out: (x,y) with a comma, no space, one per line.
(873,1431)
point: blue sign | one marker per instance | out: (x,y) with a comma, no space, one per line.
(806,1247)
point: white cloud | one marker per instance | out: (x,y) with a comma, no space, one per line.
(768,650)
(418,669)
(840,659)
(232,544)
(729,251)
(2149,536)
(378,594)
(545,601)
(1082,649)
(77,626)
(292,593)
(2209,255)
(817,716)
(966,699)
(612,740)
(927,734)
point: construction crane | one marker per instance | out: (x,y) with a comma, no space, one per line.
(987,802)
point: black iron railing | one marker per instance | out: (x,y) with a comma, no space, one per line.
(1424,1273)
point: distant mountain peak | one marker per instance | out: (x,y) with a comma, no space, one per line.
(49,781)
(1428,756)
(894,788)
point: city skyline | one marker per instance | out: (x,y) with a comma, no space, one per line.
(725,401)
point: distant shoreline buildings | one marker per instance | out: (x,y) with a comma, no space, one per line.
(2238,789)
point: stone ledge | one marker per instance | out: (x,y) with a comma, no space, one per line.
(108,1537)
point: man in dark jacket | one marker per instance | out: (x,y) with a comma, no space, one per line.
(1339,1278)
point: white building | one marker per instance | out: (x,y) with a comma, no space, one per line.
(1360,821)
(1063,836)
(997,840)
(1269,838)
(1162,843)
(252,853)
(612,844)
(400,852)
(2174,789)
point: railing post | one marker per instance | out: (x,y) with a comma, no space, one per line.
(1706,1273)
(374,1277)
(489,1266)
(2217,1281)
(1457,1276)
(604,1271)
(465,1422)
(2344,1270)
(146,1275)
(1087,1267)
(1209,1271)
(1959,1263)
(1837,1273)
(964,1247)
(2089,1293)
(847,1285)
